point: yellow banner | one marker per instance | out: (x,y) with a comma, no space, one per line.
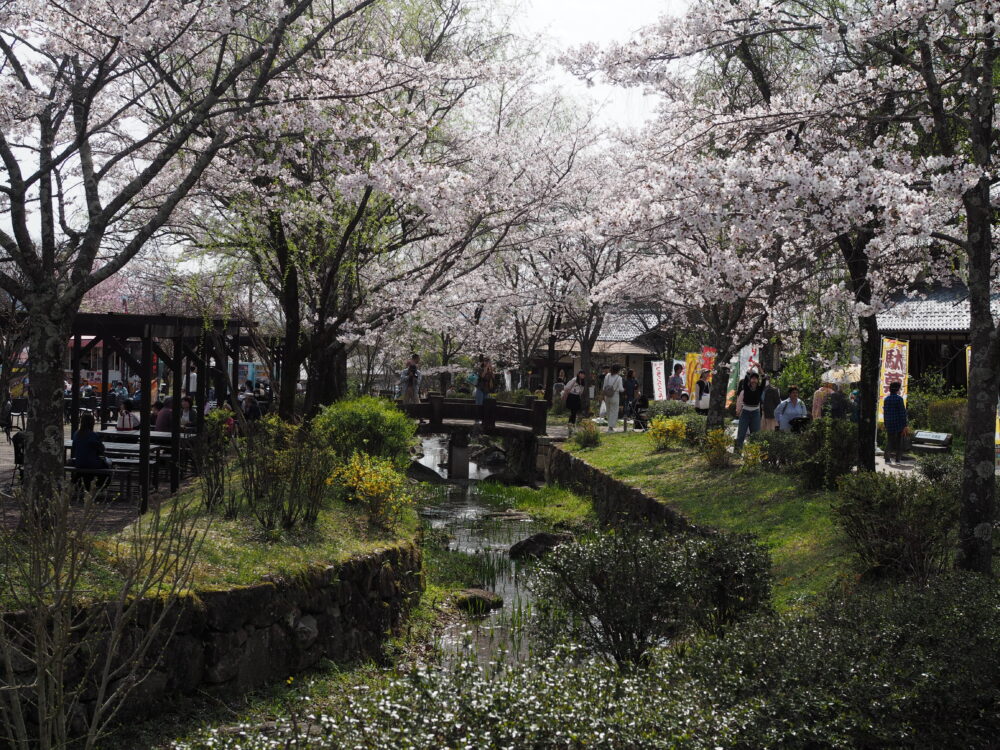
(895,369)
(691,372)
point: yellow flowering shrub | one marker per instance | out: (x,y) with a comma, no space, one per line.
(717,445)
(754,456)
(667,432)
(375,484)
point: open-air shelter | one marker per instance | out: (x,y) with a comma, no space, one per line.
(212,346)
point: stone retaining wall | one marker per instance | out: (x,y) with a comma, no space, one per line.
(229,642)
(616,503)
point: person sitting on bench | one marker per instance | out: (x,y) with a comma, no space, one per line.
(88,453)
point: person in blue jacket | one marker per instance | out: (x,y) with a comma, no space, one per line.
(894,415)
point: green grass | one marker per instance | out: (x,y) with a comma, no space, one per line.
(552,506)
(808,550)
(234,552)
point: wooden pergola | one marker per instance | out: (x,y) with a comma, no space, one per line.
(213,346)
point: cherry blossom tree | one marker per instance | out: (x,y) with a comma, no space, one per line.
(905,91)
(111,112)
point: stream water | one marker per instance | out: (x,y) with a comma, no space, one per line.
(479,524)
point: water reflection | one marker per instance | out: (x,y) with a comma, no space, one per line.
(481,528)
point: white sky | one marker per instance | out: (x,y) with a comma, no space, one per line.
(567,23)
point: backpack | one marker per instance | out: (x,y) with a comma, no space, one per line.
(609,389)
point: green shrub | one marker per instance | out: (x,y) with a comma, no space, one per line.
(587,435)
(716,449)
(667,433)
(783,450)
(669,409)
(212,453)
(284,472)
(941,468)
(374,483)
(694,427)
(619,595)
(513,397)
(799,370)
(913,667)
(900,526)
(947,415)
(830,450)
(917,403)
(369,425)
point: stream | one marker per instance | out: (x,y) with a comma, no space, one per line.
(484,529)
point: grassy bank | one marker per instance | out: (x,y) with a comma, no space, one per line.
(808,550)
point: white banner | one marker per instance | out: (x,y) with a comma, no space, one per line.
(659,381)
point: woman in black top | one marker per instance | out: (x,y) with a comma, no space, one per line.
(750,412)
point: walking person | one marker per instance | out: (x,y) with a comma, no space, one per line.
(790,409)
(894,413)
(838,404)
(749,409)
(819,400)
(409,385)
(702,393)
(631,388)
(574,393)
(612,388)
(485,380)
(770,402)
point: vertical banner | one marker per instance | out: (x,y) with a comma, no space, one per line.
(734,382)
(707,360)
(691,371)
(895,369)
(659,381)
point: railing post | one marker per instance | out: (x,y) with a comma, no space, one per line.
(437,409)
(529,400)
(539,417)
(489,414)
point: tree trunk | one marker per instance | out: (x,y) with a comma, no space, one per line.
(327,377)
(717,396)
(49,327)
(291,355)
(585,358)
(855,253)
(979,479)
(550,360)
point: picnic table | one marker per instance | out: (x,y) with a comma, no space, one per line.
(132,436)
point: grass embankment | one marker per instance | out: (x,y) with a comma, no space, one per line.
(238,552)
(808,550)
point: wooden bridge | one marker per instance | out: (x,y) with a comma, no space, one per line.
(442,414)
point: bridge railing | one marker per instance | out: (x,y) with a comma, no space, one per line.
(437,410)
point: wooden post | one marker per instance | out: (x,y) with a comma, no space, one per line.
(146,406)
(175,416)
(74,419)
(105,353)
(539,417)
(489,414)
(235,388)
(437,409)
